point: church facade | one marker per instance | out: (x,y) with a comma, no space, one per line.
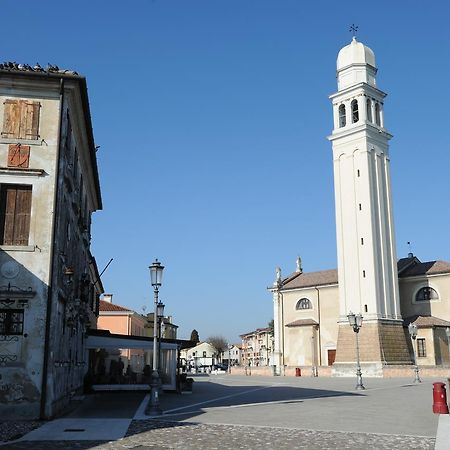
(311,327)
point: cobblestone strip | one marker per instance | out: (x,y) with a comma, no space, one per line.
(14,429)
(161,435)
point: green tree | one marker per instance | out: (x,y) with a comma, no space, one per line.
(270,324)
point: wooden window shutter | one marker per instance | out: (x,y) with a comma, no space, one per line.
(8,207)
(30,120)
(15,203)
(19,156)
(11,119)
(21,119)
(23,216)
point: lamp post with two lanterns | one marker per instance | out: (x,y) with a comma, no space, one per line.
(412,328)
(153,408)
(355,321)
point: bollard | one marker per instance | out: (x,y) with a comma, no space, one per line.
(439,399)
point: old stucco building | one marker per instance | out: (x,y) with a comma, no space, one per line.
(49,283)
(311,326)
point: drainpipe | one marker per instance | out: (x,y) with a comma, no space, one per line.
(282,331)
(53,259)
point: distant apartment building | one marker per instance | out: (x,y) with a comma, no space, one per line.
(257,347)
(232,356)
(49,282)
(121,320)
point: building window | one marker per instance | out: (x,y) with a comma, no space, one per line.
(11,321)
(355,112)
(303,303)
(15,213)
(377,114)
(204,354)
(342,118)
(369,110)
(21,119)
(421,348)
(425,294)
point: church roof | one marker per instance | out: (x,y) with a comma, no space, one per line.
(425,268)
(355,53)
(407,267)
(426,321)
(309,279)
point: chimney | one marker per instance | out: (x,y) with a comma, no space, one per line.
(410,255)
(107,298)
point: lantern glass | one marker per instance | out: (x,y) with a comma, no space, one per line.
(351,319)
(160,309)
(156,270)
(359,320)
(412,328)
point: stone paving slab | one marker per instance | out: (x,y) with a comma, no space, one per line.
(161,435)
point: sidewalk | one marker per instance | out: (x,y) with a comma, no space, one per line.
(271,412)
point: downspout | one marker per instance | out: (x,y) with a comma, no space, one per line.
(52,258)
(318,331)
(282,331)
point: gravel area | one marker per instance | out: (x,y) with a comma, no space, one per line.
(14,429)
(162,435)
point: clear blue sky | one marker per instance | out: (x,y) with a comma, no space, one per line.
(212,117)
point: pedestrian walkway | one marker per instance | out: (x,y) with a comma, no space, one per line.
(231,412)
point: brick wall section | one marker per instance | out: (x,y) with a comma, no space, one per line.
(384,342)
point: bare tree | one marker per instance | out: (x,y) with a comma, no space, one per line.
(219,343)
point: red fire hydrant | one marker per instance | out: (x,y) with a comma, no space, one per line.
(439,399)
(298,372)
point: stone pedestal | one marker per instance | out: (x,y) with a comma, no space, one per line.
(381,342)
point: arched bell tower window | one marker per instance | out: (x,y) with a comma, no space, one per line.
(355,112)
(377,114)
(342,118)
(303,303)
(369,110)
(426,293)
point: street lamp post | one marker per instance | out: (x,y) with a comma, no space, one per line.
(447,332)
(153,408)
(355,321)
(229,357)
(412,328)
(160,312)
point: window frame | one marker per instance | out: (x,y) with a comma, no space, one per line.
(354,107)
(303,300)
(342,116)
(15,224)
(429,299)
(6,323)
(421,348)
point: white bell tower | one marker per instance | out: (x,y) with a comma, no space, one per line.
(367,261)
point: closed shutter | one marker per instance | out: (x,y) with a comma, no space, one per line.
(11,119)
(19,156)
(9,205)
(15,205)
(23,215)
(30,120)
(21,119)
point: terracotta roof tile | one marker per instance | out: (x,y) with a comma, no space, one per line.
(308,279)
(302,323)
(108,306)
(427,321)
(426,268)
